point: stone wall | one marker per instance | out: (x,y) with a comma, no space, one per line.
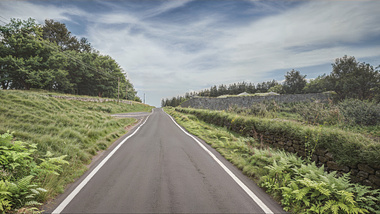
(88,99)
(360,173)
(248,101)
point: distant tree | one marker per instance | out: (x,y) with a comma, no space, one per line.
(233,89)
(213,91)
(251,88)
(222,90)
(352,79)
(318,85)
(265,86)
(294,82)
(241,87)
(376,89)
(163,103)
(277,89)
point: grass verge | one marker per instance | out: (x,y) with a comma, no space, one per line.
(299,186)
(347,147)
(73,128)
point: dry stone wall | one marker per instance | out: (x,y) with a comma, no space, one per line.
(248,101)
(364,173)
(360,173)
(88,99)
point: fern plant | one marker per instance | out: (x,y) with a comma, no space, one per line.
(366,198)
(5,203)
(22,172)
(24,193)
(306,188)
(320,197)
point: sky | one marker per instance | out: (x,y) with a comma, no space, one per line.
(172,47)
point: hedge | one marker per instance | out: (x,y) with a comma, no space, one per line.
(347,148)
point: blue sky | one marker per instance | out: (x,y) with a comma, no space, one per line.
(172,47)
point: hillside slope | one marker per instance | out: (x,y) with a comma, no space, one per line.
(63,127)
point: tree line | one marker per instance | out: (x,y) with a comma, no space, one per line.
(349,79)
(49,57)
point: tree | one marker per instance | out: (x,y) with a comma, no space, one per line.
(277,89)
(60,63)
(22,55)
(352,79)
(294,82)
(318,85)
(213,91)
(265,86)
(376,89)
(222,90)
(57,32)
(251,88)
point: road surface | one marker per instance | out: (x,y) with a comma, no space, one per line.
(159,168)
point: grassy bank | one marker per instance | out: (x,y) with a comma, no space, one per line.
(73,128)
(299,186)
(347,147)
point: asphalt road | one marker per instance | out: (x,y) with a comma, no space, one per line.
(161,169)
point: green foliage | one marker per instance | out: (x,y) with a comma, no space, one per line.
(24,192)
(352,79)
(307,188)
(322,193)
(48,57)
(5,200)
(52,132)
(277,89)
(359,112)
(21,173)
(318,85)
(294,82)
(15,157)
(300,187)
(347,147)
(318,113)
(221,90)
(57,33)
(366,197)
(51,165)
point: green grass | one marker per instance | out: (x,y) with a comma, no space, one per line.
(284,175)
(347,147)
(65,127)
(310,113)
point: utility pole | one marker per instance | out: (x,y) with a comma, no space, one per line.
(118,83)
(144,98)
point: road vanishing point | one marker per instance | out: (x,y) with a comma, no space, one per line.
(160,168)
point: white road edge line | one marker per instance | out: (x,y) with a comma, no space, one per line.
(233,176)
(70,197)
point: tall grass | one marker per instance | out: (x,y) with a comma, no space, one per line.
(347,147)
(300,187)
(352,115)
(64,127)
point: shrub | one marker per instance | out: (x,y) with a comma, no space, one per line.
(301,187)
(318,113)
(308,188)
(22,172)
(347,147)
(360,112)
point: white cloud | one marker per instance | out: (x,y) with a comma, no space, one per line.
(177,57)
(169,58)
(24,10)
(165,7)
(317,25)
